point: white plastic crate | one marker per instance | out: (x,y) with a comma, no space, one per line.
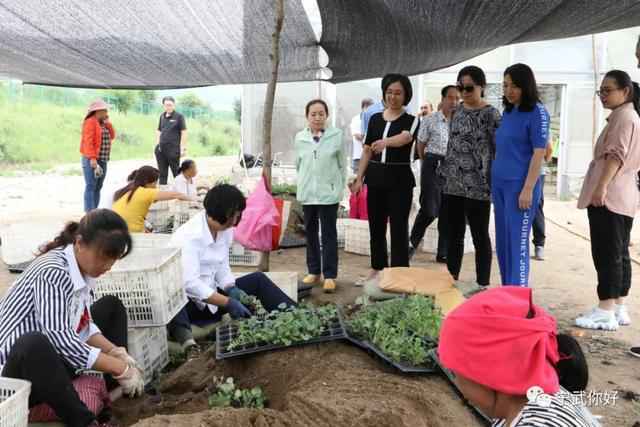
(14,402)
(430,241)
(182,212)
(21,241)
(150,240)
(150,348)
(241,257)
(287,281)
(357,239)
(149,284)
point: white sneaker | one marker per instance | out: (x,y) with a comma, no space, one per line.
(622,315)
(598,319)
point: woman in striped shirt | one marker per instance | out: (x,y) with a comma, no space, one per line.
(48,329)
(508,361)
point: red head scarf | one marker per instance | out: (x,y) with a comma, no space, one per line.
(499,339)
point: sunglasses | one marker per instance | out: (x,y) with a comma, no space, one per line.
(469,89)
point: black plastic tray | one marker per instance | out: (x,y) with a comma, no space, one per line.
(402,367)
(450,377)
(226,333)
(18,268)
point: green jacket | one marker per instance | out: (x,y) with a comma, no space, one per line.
(321,167)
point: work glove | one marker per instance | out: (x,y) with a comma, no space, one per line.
(236,293)
(236,309)
(131,381)
(121,353)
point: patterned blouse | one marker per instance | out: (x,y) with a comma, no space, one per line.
(466,169)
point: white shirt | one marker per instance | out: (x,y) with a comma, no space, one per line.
(356,124)
(205,261)
(184,186)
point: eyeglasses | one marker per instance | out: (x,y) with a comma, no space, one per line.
(462,88)
(605,91)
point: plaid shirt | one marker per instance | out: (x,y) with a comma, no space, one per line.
(105,147)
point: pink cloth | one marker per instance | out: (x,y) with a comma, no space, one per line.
(490,340)
(619,139)
(255,230)
(91,390)
(358,205)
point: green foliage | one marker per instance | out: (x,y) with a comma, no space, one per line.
(228,395)
(192,100)
(280,189)
(284,326)
(404,329)
(147,96)
(123,100)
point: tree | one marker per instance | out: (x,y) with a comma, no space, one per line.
(237,109)
(123,100)
(192,100)
(147,96)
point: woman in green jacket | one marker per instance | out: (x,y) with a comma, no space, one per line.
(320,165)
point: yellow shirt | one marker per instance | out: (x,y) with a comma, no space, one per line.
(134,211)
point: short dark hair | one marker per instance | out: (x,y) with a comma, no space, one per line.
(389,79)
(522,76)
(476,74)
(572,368)
(223,201)
(445,90)
(101,228)
(366,102)
(313,102)
(186,165)
(168,98)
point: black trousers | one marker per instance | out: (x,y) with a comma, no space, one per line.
(539,235)
(610,235)
(389,205)
(256,284)
(325,260)
(165,161)
(476,213)
(33,358)
(430,204)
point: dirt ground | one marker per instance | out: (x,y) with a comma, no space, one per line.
(339,385)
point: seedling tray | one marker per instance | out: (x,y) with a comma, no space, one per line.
(450,377)
(226,333)
(18,268)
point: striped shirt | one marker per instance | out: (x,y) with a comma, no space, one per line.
(560,410)
(51,297)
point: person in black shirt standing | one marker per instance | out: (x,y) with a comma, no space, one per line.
(171,140)
(386,161)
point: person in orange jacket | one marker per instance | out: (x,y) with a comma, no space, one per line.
(95,146)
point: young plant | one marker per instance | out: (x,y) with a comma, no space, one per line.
(228,395)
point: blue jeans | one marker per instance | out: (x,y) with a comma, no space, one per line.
(256,284)
(93,185)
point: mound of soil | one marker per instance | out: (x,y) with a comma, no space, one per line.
(331,384)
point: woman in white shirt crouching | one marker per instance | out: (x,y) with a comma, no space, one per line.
(184,183)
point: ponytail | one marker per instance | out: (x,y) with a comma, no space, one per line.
(66,237)
(100,228)
(138,178)
(572,368)
(635,97)
(186,165)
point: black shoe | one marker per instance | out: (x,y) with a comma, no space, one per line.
(635,351)
(412,251)
(441,259)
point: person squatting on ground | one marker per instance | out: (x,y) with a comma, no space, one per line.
(521,141)
(610,195)
(466,172)
(95,146)
(433,138)
(171,140)
(49,329)
(386,166)
(509,361)
(185,181)
(210,286)
(132,202)
(321,169)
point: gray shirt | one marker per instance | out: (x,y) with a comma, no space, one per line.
(434,132)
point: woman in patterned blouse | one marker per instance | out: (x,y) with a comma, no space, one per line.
(466,171)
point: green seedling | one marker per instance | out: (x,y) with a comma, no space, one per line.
(228,395)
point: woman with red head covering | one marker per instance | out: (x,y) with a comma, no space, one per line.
(509,362)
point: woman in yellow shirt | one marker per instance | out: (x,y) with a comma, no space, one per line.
(132,202)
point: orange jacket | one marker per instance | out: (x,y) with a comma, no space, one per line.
(91,139)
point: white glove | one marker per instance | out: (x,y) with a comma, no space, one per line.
(131,381)
(121,353)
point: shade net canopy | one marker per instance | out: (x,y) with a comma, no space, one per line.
(189,43)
